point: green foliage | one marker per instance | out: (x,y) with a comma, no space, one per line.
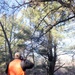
(21,45)
(56,34)
(22,36)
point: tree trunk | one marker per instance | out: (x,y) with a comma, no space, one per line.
(51,55)
(9,45)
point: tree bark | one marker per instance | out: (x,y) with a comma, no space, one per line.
(9,45)
(51,55)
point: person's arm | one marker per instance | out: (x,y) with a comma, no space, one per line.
(26,64)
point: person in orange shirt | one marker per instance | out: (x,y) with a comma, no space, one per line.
(18,66)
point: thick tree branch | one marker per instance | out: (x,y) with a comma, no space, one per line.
(51,26)
(68,4)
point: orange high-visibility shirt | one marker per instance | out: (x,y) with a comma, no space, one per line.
(15,68)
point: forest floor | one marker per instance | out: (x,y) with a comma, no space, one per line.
(65,70)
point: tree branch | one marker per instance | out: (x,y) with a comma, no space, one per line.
(47,14)
(19,5)
(59,67)
(51,26)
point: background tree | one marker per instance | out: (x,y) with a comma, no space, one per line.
(41,18)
